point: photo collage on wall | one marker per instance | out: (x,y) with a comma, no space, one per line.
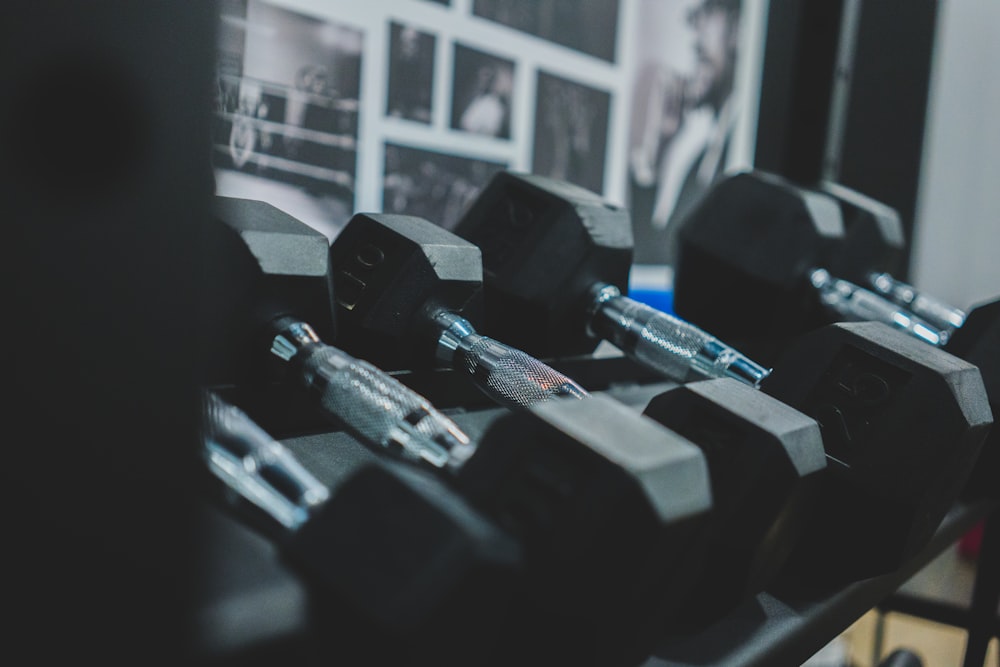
(289,102)
(464,90)
(570,118)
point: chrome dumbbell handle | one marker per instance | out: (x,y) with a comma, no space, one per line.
(507,375)
(374,406)
(854,303)
(678,349)
(938,313)
(256,466)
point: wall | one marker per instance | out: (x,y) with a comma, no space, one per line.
(957,234)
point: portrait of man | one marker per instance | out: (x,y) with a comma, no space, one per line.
(683,115)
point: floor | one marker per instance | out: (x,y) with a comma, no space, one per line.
(949,577)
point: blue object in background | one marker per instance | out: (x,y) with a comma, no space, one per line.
(662,300)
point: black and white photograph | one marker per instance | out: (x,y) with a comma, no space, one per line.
(683,114)
(433,185)
(482,86)
(286,116)
(571,131)
(411,73)
(588,26)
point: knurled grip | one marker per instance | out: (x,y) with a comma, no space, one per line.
(654,338)
(381,410)
(505,374)
(677,349)
(509,376)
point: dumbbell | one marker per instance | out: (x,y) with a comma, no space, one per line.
(521,211)
(903,424)
(407,294)
(758,257)
(748,248)
(556,259)
(605,503)
(872,245)
(268,279)
(269,282)
(375,541)
(356,543)
(367,288)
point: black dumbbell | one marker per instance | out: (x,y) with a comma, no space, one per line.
(269,273)
(404,287)
(270,282)
(532,540)
(556,260)
(408,293)
(747,251)
(522,210)
(356,543)
(869,253)
(780,463)
(604,502)
(903,423)
(757,260)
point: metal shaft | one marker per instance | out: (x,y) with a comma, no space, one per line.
(855,303)
(376,407)
(938,313)
(256,466)
(509,376)
(678,349)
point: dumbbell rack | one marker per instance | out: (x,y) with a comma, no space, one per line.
(253,607)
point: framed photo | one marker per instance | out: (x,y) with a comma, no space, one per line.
(433,185)
(571,131)
(482,86)
(286,116)
(410,82)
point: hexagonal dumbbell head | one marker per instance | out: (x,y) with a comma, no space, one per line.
(606,503)
(403,550)
(873,238)
(545,244)
(264,264)
(978,342)
(745,253)
(391,273)
(388,545)
(903,423)
(764,458)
